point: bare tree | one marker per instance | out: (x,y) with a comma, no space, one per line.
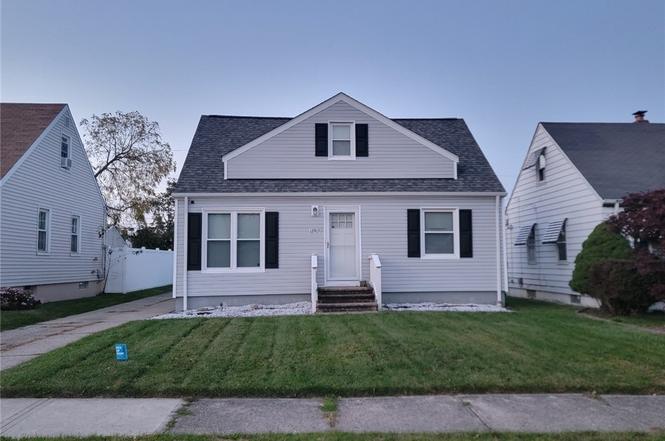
(130,159)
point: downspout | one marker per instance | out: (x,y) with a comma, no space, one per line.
(499,297)
(184,276)
(504,252)
(175,249)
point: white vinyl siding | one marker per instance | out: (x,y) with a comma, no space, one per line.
(563,194)
(383,223)
(39,182)
(290,154)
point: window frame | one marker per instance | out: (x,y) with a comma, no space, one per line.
(562,245)
(46,230)
(77,234)
(532,251)
(456,234)
(64,137)
(233,249)
(352,140)
(540,171)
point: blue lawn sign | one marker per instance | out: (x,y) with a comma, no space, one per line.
(121,352)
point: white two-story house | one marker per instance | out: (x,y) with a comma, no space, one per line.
(341,206)
(574,177)
(52,214)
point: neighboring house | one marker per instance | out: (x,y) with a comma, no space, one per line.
(395,210)
(573,178)
(52,214)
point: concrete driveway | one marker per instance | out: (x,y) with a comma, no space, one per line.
(22,344)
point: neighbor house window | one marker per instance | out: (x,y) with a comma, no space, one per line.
(540,166)
(531,246)
(561,244)
(43,225)
(64,147)
(439,233)
(74,242)
(234,240)
(342,145)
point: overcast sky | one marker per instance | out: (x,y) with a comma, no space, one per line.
(501,65)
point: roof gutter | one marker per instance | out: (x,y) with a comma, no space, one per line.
(348,193)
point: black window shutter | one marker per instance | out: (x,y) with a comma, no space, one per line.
(466,233)
(194,242)
(362,144)
(272,239)
(321,139)
(413,232)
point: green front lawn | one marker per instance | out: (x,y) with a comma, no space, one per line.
(382,437)
(538,348)
(54,310)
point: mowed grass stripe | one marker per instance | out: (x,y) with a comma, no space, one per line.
(538,348)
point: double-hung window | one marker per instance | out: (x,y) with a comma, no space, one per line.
(541,162)
(531,247)
(75,234)
(440,233)
(342,141)
(562,251)
(64,147)
(43,226)
(234,240)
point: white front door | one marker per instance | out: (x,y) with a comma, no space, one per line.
(342,244)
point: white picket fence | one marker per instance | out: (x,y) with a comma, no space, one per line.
(132,269)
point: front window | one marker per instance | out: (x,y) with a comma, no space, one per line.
(64,147)
(43,230)
(75,234)
(531,246)
(439,233)
(234,240)
(341,141)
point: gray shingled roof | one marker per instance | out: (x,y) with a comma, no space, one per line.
(203,171)
(616,158)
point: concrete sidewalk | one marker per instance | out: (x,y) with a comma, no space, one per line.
(22,344)
(436,413)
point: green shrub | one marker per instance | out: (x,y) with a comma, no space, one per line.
(602,244)
(13,299)
(619,287)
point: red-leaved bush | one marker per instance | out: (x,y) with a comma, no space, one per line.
(643,221)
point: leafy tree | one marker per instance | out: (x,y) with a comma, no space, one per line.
(159,232)
(129,159)
(602,244)
(643,221)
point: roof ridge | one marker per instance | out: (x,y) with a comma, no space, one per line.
(631,123)
(430,119)
(248,116)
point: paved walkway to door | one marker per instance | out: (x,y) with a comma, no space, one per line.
(22,344)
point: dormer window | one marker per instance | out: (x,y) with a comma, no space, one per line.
(342,142)
(540,166)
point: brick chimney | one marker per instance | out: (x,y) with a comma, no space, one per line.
(639,116)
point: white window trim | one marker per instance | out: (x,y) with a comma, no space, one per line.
(48,232)
(539,167)
(234,240)
(352,138)
(78,235)
(456,234)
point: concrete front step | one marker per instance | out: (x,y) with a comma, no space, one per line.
(346,298)
(346,307)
